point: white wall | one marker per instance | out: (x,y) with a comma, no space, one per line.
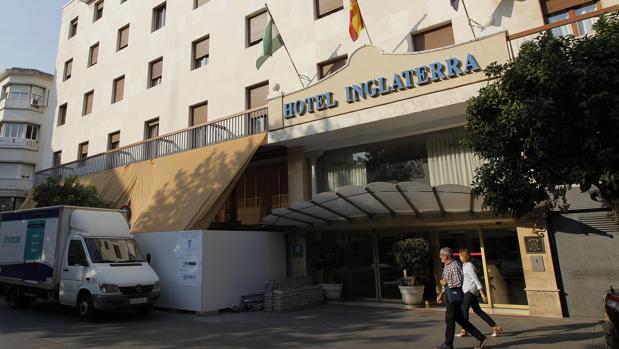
(232,66)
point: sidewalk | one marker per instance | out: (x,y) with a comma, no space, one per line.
(330,326)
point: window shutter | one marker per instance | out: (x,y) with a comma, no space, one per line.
(201,49)
(94,54)
(199,114)
(156,69)
(123,39)
(69,68)
(257,26)
(552,6)
(84,150)
(89,101)
(324,7)
(119,90)
(115,138)
(434,38)
(201,2)
(330,67)
(258,96)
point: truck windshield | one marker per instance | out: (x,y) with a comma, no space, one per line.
(106,250)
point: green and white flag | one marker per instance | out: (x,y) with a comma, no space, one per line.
(271,42)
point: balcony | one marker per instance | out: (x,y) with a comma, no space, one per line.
(23,100)
(19,143)
(233,127)
(578,26)
(15,186)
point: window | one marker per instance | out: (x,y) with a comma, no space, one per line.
(82,151)
(198,3)
(73,28)
(12,130)
(433,38)
(32,132)
(155,70)
(200,52)
(62,115)
(76,256)
(159,17)
(331,66)
(198,114)
(256,25)
(98,11)
(327,7)
(256,96)
(151,129)
(57,158)
(118,89)
(68,68)
(93,56)
(122,1)
(123,38)
(88,100)
(558,10)
(113,140)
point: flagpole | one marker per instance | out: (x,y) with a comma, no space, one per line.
(285,47)
(468,19)
(365,25)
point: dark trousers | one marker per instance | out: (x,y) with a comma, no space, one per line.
(471,301)
(454,314)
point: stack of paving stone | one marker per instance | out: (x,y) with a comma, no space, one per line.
(284,295)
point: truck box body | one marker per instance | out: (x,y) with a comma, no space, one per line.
(30,242)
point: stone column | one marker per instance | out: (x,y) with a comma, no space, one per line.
(313,157)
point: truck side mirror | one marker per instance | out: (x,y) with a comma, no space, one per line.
(148,258)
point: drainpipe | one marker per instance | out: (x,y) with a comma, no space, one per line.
(313,156)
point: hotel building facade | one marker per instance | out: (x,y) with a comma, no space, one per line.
(362,146)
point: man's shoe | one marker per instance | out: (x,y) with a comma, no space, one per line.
(462,333)
(444,346)
(481,343)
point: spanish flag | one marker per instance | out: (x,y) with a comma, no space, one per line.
(356,21)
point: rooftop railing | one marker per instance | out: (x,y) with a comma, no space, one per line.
(577,26)
(233,127)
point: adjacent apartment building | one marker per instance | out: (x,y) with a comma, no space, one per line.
(160,105)
(25,104)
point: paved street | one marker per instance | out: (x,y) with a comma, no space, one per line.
(49,326)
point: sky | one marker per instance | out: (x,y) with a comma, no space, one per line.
(29,33)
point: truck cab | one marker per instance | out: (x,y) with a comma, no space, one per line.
(103,267)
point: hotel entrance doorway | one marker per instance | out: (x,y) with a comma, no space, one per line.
(370,272)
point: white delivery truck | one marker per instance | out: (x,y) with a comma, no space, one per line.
(82,257)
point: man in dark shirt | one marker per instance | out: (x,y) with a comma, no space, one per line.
(452,286)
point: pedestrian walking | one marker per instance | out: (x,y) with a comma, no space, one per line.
(452,287)
(473,290)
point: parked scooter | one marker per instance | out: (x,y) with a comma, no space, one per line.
(611,315)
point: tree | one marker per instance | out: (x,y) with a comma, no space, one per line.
(549,120)
(69,191)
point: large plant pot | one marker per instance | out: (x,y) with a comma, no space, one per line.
(412,295)
(332,291)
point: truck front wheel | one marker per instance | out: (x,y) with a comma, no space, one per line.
(86,308)
(16,299)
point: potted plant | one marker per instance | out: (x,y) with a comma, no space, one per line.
(413,257)
(327,255)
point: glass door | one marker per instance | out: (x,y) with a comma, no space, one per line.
(469,239)
(363,284)
(504,267)
(389,274)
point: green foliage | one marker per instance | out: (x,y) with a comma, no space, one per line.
(412,255)
(326,255)
(66,192)
(549,120)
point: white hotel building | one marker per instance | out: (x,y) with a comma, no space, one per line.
(142,81)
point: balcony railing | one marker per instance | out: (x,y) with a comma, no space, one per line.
(237,126)
(19,143)
(582,25)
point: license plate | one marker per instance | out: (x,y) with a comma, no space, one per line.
(138,300)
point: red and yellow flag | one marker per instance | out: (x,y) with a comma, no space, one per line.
(356,20)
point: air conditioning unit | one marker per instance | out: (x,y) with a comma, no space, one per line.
(35,101)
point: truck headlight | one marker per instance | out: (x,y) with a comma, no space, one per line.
(109,288)
(156,286)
